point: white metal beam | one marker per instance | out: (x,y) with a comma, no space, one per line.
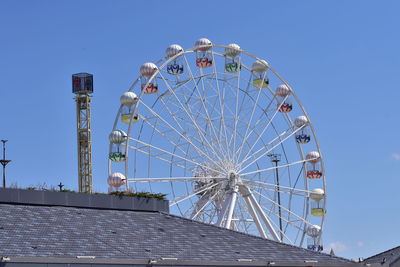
(232,205)
(246,192)
(224,210)
(253,214)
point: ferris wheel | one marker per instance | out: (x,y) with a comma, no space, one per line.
(226,138)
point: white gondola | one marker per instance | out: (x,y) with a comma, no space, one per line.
(314,241)
(259,69)
(115,180)
(203,54)
(148,86)
(314,168)
(175,66)
(284,104)
(232,58)
(117,152)
(128,100)
(303,135)
(317,205)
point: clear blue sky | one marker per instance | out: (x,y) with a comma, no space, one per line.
(342,55)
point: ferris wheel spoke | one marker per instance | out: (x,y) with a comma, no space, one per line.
(172,179)
(249,145)
(191,97)
(243,220)
(193,193)
(283,208)
(252,114)
(224,153)
(276,188)
(203,101)
(275,167)
(215,117)
(188,113)
(183,130)
(190,195)
(265,146)
(169,153)
(237,133)
(177,145)
(190,116)
(260,119)
(218,118)
(222,107)
(201,205)
(213,213)
(192,207)
(263,131)
(282,232)
(272,185)
(236,114)
(160,158)
(264,113)
(198,150)
(270,149)
(167,137)
(210,213)
(298,224)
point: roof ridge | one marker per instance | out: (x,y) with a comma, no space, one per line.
(255,236)
(381,253)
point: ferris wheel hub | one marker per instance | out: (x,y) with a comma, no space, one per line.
(232,175)
(233,179)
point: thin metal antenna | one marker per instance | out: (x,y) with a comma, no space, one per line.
(275,158)
(4,162)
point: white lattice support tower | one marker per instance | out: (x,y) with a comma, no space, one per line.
(82,86)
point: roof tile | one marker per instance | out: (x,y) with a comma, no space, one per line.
(44,231)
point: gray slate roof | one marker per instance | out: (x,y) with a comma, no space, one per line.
(52,231)
(388,256)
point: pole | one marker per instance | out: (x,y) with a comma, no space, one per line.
(279,199)
(4,166)
(4,176)
(4,162)
(275,158)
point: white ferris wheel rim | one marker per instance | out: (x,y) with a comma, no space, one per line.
(164,62)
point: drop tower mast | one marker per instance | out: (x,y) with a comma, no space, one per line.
(82,87)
